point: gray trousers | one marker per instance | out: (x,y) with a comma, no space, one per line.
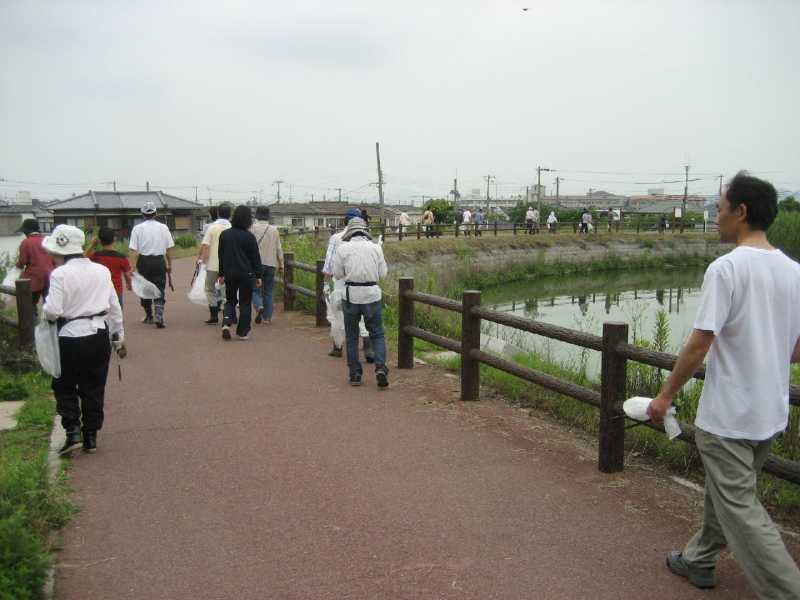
(734,517)
(214,296)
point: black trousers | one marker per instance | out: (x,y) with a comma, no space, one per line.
(238,290)
(154,269)
(80,391)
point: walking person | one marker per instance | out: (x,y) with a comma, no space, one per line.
(466,220)
(552,221)
(150,249)
(748,322)
(427,222)
(34,261)
(339,290)
(480,219)
(115,262)
(586,221)
(240,269)
(359,262)
(84,304)
(529,216)
(209,254)
(269,248)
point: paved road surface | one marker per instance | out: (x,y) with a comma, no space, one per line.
(251,470)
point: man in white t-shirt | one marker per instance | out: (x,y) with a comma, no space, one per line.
(748,322)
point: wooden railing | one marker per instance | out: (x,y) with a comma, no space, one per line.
(25,312)
(291,289)
(613,345)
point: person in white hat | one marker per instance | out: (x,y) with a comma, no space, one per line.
(150,251)
(84,304)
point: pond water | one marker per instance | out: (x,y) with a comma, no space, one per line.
(9,245)
(584,302)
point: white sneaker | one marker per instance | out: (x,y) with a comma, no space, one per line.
(243,338)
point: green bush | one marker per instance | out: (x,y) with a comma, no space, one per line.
(12,390)
(186,241)
(785,233)
(23,560)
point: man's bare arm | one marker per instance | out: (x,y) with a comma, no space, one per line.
(133,255)
(689,359)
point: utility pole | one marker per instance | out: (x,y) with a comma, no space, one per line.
(147,185)
(527,195)
(455,192)
(685,196)
(539,187)
(340,193)
(720,177)
(380,180)
(195,192)
(115,185)
(488,179)
(558,182)
(278,183)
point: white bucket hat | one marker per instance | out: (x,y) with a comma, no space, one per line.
(64,240)
(149,208)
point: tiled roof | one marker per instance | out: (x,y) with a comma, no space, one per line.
(326,208)
(122,201)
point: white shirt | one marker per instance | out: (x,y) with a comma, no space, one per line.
(78,288)
(529,216)
(467,217)
(211,239)
(151,238)
(751,301)
(333,243)
(552,218)
(360,260)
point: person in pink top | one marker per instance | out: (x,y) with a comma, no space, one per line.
(35,262)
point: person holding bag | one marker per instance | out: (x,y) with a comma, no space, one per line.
(84,304)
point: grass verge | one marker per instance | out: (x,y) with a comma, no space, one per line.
(31,506)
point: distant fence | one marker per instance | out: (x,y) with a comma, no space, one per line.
(438,230)
(25,312)
(613,345)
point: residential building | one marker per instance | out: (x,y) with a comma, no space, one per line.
(308,215)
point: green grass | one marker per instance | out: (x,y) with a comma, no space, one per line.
(31,506)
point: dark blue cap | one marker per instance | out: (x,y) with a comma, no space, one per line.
(352,212)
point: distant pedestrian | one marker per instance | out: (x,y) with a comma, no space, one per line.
(34,261)
(84,304)
(404,222)
(586,221)
(552,221)
(480,221)
(529,220)
(466,220)
(271,252)
(359,262)
(209,254)
(150,250)
(240,269)
(427,222)
(662,224)
(748,322)
(114,261)
(365,216)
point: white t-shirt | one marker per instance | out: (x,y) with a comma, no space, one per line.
(529,215)
(151,238)
(211,239)
(467,217)
(751,301)
(360,260)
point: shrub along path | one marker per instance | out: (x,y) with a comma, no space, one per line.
(251,470)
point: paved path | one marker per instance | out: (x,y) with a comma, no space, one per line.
(251,470)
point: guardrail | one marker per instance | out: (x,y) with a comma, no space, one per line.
(291,289)
(613,345)
(25,312)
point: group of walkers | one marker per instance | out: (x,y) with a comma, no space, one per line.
(747,325)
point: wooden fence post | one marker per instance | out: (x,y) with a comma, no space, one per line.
(419,230)
(405,342)
(316,232)
(495,228)
(288,278)
(321,306)
(25,313)
(612,393)
(515,228)
(470,340)
(399,233)
(456,229)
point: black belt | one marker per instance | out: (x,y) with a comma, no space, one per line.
(61,321)
(348,284)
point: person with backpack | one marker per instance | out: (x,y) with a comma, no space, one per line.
(269,247)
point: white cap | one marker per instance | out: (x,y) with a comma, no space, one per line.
(64,240)
(149,208)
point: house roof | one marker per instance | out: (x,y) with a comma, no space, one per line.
(331,209)
(122,201)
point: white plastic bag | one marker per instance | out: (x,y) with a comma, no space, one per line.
(46,337)
(197,295)
(146,290)
(636,409)
(335,317)
(9,280)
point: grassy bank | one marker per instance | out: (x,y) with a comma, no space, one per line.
(31,507)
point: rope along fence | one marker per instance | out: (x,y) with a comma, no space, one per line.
(613,345)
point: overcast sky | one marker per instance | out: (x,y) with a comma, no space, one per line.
(234,95)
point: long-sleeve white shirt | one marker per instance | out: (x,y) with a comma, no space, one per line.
(80,288)
(333,243)
(360,260)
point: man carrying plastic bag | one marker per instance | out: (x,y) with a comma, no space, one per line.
(85,308)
